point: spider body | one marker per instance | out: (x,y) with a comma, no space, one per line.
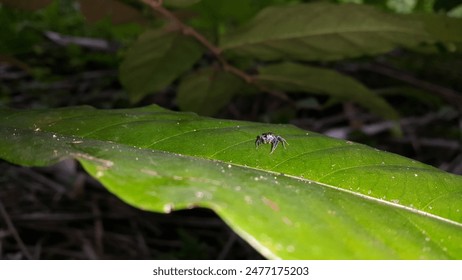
(270,138)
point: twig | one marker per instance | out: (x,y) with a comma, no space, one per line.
(13,230)
(98,228)
(44,180)
(86,246)
(156,5)
(140,240)
(227,248)
(84,42)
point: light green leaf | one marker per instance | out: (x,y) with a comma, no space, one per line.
(155,60)
(323,31)
(318,198)
(207,91)
(456,12)
(402,6)
(302,78)
(426,6)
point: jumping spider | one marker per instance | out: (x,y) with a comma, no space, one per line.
(270,138)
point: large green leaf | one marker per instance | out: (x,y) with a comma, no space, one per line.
(323,31)
(318,198)
(155,60)
(207,91)
(302,78)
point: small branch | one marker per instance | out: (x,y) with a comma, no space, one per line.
(156,5)
(189,31)
(84,42)
(14,232)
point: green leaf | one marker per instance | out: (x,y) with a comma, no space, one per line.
(16,36)
(414,94)
(442,28)
(456,12)
(402,6)
(207,91)
(319,198)
(155,60)
(296,77)
(323,31)
(426,6)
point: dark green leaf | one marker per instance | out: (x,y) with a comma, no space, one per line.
(414,94)
(323,31)
(207,91)
(301,78)
(318,198)
(16,36)
(155,60)
(442,28)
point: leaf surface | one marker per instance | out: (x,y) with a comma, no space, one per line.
(323,31)
(302,78)
(207,91)
(155,60)
(442,28)
(319,198)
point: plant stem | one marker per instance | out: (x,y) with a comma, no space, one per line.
(156,5)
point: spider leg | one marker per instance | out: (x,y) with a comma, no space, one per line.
(274,145)
(257,142)
(284,142)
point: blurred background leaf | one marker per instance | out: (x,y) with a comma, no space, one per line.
(322,31)
(155,60)
(302,78)
(207,91)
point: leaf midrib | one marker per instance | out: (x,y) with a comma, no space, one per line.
(360,195)
(301,36)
